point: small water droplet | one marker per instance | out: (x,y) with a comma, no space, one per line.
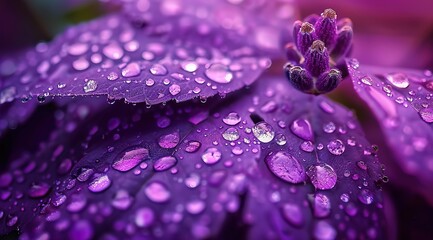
(158,70)
(286,167)
(281,139)
(144,217)
(307,146)
(336,147)
(90,86)
(169,141)
(113,51)
(324,231)
(195,207)
(122,200)
(329,127)
(219,73)
(293,215)
(231,134)
(157,192)
(174,89)
(131,70)
(131,159)
(192,181)
(263,132)
(326,107)
(100,183)
(321,205)
(78,49)
(189,66)
(322,176)
(366,197)
(399,80)
(192,146)
(367,81)
(427,114)
(302,128)
(211,156)
(80,64)
(232,119)
(344,197)
(112,76)
(39,190)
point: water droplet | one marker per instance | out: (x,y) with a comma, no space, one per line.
(329,127)
(90,86)
(366,197)
(336,147)
(131,70)
(232,119)
(59,199)
(158,70)
(39,190)
(302,128)
(157,192)
(195,207)
(100,183)
(219,73)
(78,49)
(189,66)
(164,163)
(192,181)
(326,107)
(367,81)
(192,146)
(112,76)
(286,167)
(122,200)
(231,134)
(131,159)
(169,141)
(344,197)
(211,156)
(80,64)
(7,94)
(426,114)
(307,146)
(144,217)
(281,139)
(399,80)
(263,132)
(324,231)
(321,205)
(113,51)
(84,174)
(322,176)
(293,215)
(269,107)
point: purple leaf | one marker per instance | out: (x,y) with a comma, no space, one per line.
(110,56)
(401,99)
(216,170)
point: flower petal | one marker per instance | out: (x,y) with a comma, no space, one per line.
(270,153)
(401,99)
(111,56)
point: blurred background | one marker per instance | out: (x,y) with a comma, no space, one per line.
(397,33)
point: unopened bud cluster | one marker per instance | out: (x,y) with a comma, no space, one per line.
(320,43)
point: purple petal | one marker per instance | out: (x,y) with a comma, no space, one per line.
(111,57)
(15,113)
(233,165)
(401,99)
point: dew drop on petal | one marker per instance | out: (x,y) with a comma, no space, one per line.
(169,141)
(164,163)
(293,215)
(112,76)
(219,73)
(286,167)
(122,200)
(321,205)
(366,197)
(232,119)
(100,183)
(192,146)
(144,217)
(336,147)
(131,70)
(80,64)
(231,134)
(322,176)
(302,128)
(211,156)
(131,159)
(367,81)
(157,192)
(324,231)
(427,114)
(174,89)
(329,127)
(307,146)
(113,51)
(189,66)
(263,132)
(77,49)
(39,190)
(281,139)
(90,86)
(195,207)
(192,181)
(158,70)
(399,80)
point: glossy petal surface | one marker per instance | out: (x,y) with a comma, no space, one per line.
(203,174)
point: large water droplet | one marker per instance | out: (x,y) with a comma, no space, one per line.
(232,119)
(131,159)
(286,167)
(263,132)
(399,80)
(90,86)
(100,183)
(131,70)
(336,147)
(158,70)
(211,155)
(426,114)
(302,128)
(322,176)
(169,141)
(157,192)
(164,163)
(231,134)
(219,73)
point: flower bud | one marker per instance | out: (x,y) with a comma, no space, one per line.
(292,53)
(317,59)
(299,78)
(306,37)
(326,28)
(344,41)
(328,81)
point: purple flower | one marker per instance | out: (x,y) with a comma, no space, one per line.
(241,152)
